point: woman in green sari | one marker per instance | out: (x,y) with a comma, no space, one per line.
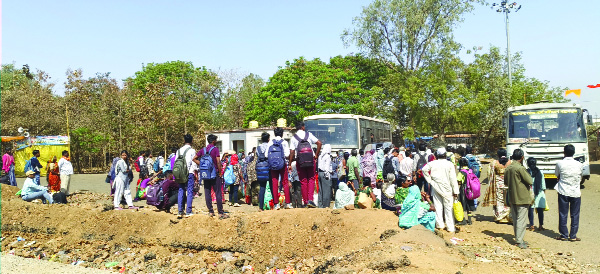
(366,188)
(416,211)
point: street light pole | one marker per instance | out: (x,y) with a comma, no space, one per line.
(506,8)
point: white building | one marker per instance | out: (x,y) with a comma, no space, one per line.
(246,139)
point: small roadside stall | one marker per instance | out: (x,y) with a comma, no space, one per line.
(49,146)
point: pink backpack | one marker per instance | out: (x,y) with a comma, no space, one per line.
(473,186)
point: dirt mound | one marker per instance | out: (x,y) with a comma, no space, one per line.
(308,240)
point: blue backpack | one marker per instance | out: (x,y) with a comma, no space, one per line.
(474,164)
(276,156)
(207,168)
(262,166)
(28,166)
(156,165)
(229,176)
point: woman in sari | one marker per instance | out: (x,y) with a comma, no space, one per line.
(494,195)
(368,166)
(416,211)
(53,175)
(366,189)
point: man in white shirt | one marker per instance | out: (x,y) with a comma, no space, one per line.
(569,172)
(150,164)
(189,157)
(305,173)
(441,176)
(406,165)
(283,172)
(66,170)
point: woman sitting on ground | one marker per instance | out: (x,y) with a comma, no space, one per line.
(417,208)
(388,192)
(344,197)
(366,189)
(32,191)
(402,183)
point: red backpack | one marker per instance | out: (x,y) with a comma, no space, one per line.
(305,152)
(137,166)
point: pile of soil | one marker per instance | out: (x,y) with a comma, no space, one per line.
(87,233)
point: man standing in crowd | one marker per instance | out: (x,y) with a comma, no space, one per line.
(35,164)
(569,172)
(419,161)
(518,181)
(214,184)
(188,154)
(278,150)
(406,165)
(441,176)
(302,145)
(66,170)
(354,171)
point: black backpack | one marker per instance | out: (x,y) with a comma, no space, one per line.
(388,167)
(422,160)
(59,198)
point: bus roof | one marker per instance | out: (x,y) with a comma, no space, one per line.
(544,106)
(338,116)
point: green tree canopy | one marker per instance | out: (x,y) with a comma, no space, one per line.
(306,87)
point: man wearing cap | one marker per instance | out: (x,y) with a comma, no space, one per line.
(441,175)
(32,191)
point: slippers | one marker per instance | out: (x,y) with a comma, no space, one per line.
(575,239)
(561,238)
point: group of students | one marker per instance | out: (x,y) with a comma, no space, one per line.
(58,174)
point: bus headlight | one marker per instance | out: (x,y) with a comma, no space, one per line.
(581,159)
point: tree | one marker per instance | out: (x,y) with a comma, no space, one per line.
(28,102)
(405,33)
(236,102)
(302,88)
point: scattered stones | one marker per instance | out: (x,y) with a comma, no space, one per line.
(388,265)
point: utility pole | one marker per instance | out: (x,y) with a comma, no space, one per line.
(507,8)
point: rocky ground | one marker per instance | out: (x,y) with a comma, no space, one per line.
(87,234)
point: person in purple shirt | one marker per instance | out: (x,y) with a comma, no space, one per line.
(215,184)
(8,166)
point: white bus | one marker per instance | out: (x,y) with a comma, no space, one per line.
(348,131)
(542,130)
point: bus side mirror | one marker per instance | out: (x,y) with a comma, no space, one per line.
(590,121)
(504,122)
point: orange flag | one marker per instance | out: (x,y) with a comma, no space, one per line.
(574,91)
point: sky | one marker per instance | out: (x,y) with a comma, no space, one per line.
(559,40)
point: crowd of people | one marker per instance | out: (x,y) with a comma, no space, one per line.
(58,177)
(434,188)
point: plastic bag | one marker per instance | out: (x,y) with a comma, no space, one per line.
(268,198)
(459,214)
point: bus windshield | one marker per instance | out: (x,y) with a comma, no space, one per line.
(339,133)
(546,126)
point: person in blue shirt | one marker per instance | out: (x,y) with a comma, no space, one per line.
(32,191)
(35,164)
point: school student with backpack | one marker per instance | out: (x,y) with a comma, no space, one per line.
(184,176)
(262,169)
(419,161)
(278,150)
(301,150)
(209,171)
(34,165)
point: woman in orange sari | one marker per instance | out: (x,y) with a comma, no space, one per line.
(53,175)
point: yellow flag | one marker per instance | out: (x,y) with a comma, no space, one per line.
(574,91)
